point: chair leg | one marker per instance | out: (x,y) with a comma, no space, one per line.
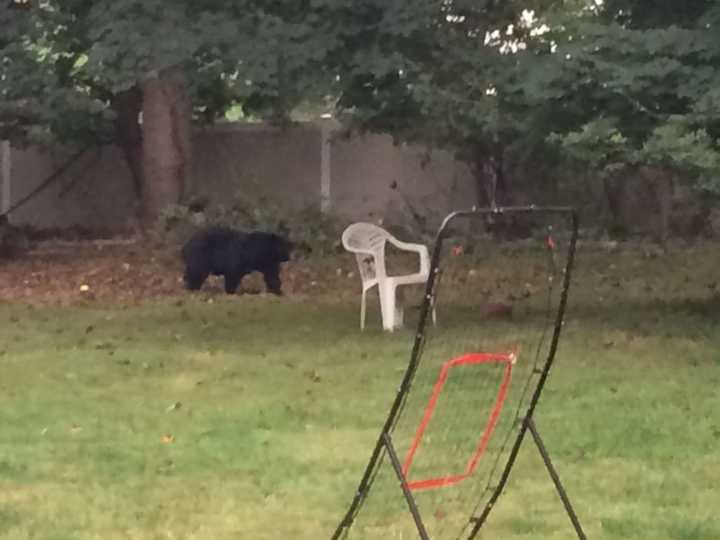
(362,310)
(399,307)
(387,305)
(392,315)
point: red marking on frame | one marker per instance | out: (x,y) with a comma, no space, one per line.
(475,358)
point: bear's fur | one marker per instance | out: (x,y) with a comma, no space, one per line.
(232,254)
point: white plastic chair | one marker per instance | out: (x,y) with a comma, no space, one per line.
(367,241)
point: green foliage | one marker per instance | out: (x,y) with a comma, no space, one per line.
(639,82)
(676,145)
(63,61)
(43,96)
(598,143)
(311,231)
(450,80)
(626,83)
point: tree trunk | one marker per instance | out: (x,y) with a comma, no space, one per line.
(485,182)
(128,134)
(165,142)
(615,193)
(487,165)
(488,169)
(661,185)
(183,120)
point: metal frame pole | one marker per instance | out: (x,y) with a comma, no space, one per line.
(555,478)
(406,490)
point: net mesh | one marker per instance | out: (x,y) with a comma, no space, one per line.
(497,291)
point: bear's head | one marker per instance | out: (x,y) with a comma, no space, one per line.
(282,247)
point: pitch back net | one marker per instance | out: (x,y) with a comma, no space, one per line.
(499,281)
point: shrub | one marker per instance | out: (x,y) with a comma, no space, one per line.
(311,231)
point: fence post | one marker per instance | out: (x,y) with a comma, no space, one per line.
(325,172)
(5,177)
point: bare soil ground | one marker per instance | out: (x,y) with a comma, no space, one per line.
(132,270)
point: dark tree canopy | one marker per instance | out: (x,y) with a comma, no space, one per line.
(613,84)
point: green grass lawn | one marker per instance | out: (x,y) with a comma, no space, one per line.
(254,417)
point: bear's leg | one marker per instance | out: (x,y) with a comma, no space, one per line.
(232,282)
(272,280)
(195,277)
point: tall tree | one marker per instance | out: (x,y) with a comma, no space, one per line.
(637,78)
(614,84)
(138,72)
(436,72)
(639,81)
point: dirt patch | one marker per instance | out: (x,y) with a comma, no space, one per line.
(67,272)
(132,271)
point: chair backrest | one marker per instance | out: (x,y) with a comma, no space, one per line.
(367,242)
(365,237)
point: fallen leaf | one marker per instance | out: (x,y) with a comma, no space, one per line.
(175,406)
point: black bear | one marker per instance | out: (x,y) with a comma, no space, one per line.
(233,254)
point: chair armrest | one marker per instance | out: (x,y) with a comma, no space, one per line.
(420,249)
